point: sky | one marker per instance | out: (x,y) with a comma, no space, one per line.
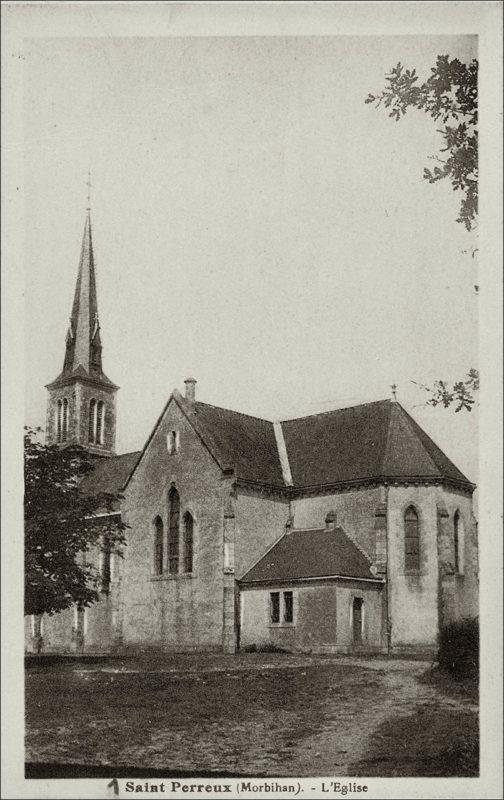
(255,225)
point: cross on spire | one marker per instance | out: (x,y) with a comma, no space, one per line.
(88,184)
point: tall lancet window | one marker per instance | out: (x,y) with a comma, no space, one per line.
(64,427)
(91,423)
(411,540)
(188,542)
(158,546)
(458,543)
(100,411)
(173,531)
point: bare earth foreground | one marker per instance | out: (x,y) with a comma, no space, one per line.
(252,714)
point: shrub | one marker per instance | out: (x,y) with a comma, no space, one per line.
(458,651)
(263,648)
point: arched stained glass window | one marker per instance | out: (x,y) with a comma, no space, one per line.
(173,531)
(158,546)
(188,542)
(411,540)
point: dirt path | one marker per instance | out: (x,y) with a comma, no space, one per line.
(349,731)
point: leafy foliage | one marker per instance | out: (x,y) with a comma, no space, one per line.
(450,95)
(61,528)
(458,651)
(461,392)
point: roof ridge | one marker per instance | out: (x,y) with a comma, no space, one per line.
(408,421)
(335,410)
(387,442)
(413,423)
(232,411)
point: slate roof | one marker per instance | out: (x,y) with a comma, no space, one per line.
(110,474)
(246,443)
(310,554)
(374,440)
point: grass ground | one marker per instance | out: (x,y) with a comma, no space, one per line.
(257,714)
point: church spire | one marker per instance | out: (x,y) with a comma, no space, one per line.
(83,344)
(81,402)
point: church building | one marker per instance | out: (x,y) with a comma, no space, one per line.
(345,531)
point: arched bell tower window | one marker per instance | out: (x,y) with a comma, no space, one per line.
(100,409)
(411,540)
(91,424)
(64,426)
(173,531)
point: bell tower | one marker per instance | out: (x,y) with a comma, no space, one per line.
(81,406)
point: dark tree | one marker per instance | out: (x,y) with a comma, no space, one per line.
(461,392)
(63,535)
(450,97)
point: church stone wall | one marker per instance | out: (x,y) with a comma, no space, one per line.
(260,521)
(419,603)
(459,598)
(355,513)
(322,618)
(413,597)
(174,612)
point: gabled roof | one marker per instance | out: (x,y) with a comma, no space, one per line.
(237,442)
(110,474)
(246,443)
(373,440)
(310,554)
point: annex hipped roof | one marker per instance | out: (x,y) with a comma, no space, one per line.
(310,554)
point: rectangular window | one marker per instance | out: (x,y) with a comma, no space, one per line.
(288,607)
(275,607)
(228,555)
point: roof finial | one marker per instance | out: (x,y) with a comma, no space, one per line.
(394,391)
(88,184)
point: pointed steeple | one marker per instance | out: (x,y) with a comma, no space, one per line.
(83,346)
(83,341)
(81,401)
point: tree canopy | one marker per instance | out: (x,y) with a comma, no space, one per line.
(450,97)
(62,528)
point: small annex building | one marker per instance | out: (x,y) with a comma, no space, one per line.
(314,590)
(345,530)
